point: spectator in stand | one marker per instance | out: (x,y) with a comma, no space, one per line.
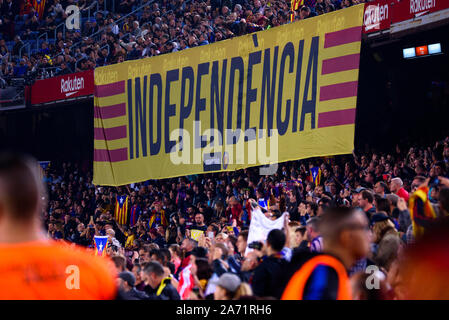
(366,203)
(314,235)
(386,241)
(266,274)
(155,29)
(397,187)
(381,188)
(304,13)
(127,283)
(21,69)
(230,287)
(187,247)
(17,45)
(158,286)
(8,11)
(234,210)
(78,211)
(176,253)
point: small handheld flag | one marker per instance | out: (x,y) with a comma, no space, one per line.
(100,245)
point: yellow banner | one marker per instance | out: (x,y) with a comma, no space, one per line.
(282,94)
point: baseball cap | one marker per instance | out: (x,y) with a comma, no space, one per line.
(228,281)
(128,277)
(378,217)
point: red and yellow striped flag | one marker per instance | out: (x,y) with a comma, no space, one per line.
(427,213)
(295,5)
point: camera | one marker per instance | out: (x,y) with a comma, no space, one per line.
(256,245)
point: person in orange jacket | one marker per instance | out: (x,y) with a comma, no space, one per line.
(346,239)
(32,266)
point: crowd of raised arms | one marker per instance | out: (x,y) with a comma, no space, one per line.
(187,237)
(105,38)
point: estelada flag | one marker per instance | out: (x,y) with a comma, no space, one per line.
(39,5)
(100,245)
(315,175)
(157,219)
(121,209)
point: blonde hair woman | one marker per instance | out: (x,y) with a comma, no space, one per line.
(386,237)
(382,228)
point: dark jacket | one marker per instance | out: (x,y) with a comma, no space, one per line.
(404,220)
(134,294)
(292,208)
(218,267)
(265,275)
(369,213)
(303,247)
(246,276)
(168,293)
(159,241)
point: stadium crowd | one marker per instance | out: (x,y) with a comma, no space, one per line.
(187,237)
(107,37)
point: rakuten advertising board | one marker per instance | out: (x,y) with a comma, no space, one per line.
(409,9)
(63,87)
(377,16)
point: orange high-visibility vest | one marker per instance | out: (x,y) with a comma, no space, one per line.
(295,287)
(51,270)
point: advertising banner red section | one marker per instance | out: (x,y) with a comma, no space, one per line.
(63,87)
(409,9)
(377,16)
